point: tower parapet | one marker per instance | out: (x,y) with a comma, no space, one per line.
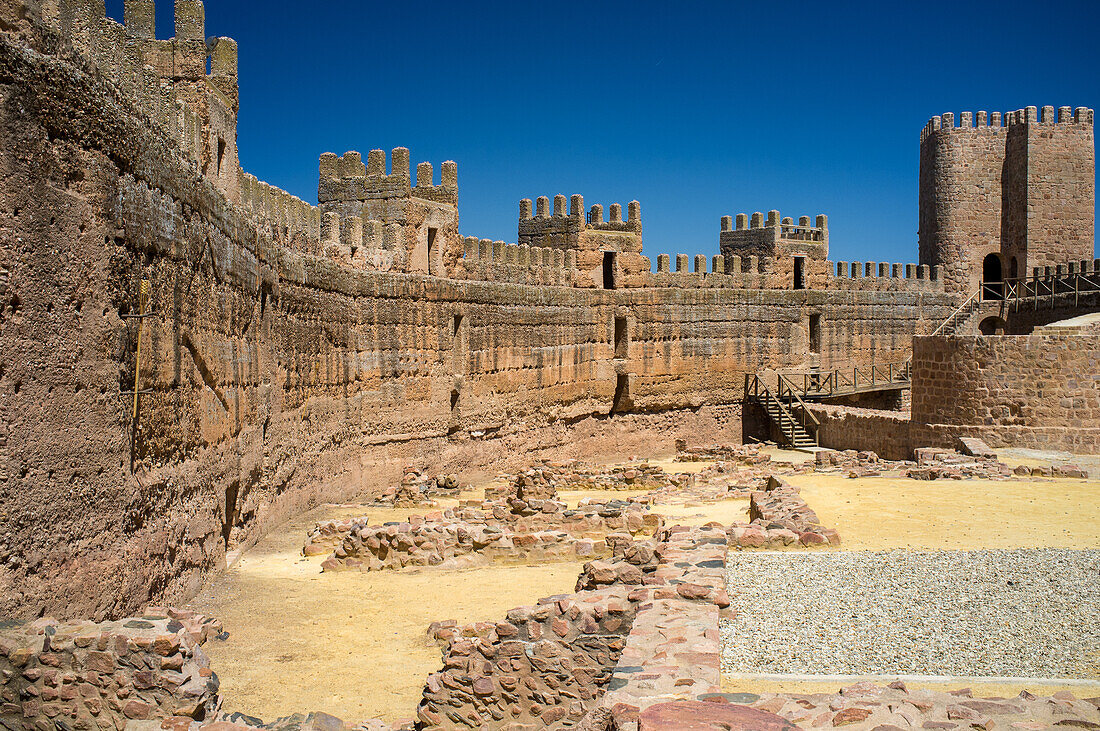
(367,198)
(614,242)
(794,254)
(1001,193)
(157,76)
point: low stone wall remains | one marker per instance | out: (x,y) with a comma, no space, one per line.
(543,665)
(108,674)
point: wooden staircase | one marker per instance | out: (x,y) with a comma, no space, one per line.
(787,411)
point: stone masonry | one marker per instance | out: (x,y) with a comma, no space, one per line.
(292,353)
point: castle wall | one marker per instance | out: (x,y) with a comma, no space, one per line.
(1040,390)
(1036,391)
(274,377)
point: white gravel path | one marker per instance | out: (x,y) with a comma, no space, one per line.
(1028,612)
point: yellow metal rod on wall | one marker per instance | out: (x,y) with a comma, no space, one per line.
(143,303)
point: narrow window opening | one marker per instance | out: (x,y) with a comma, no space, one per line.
(221,154)
(622,342)
(456,325)
(815,333)
(800,272)
(621,402)
(230,511)
(609,270)
(454,400)
(431,249)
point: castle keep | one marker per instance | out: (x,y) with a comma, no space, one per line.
(289,351)
(1003,194)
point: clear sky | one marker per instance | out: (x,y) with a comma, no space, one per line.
(695,109)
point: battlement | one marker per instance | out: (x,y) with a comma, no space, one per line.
(734,272)
(883,276)
(167,80)
(997,121)
(290,220)
(575,215)
(347,178)
(496,261)
(787,228)
(774,237)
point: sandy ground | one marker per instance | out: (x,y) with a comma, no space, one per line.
(880,513)
(351,644)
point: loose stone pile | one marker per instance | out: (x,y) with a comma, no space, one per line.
(780,517)
(936,464)
(1024,613)
(743,454)
(326,536)
(417,488)
(1054,470)
(543,481)
(453,545)
(106,675)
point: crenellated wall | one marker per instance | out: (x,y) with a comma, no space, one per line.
(371,219)
(275,373)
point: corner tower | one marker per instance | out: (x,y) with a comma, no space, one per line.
(1001,194)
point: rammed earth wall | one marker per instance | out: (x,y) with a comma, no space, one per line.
(276,378)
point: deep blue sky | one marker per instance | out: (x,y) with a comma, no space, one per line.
(695,109)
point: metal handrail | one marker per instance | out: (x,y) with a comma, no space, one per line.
(1036,288)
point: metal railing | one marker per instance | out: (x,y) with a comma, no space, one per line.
(787,391)
(963,311)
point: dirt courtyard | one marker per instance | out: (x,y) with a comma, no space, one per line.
(876,513)
(354,644)
(351,644)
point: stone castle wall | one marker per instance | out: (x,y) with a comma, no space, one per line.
(274,377)
(274,372)
(1040,390)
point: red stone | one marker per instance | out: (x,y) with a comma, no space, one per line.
(703,716)
(137,710)
(846,716)
(692,591)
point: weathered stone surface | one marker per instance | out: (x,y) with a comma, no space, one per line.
(702,716)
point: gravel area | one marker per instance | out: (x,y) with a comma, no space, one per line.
(1024,613)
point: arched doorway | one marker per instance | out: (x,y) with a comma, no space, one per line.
(992,278)
(992,326)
